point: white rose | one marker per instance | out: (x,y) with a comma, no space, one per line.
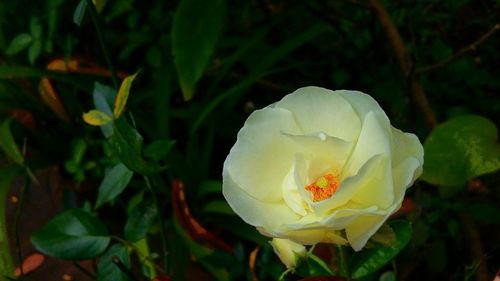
(320,166)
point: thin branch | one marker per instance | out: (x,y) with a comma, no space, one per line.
(475,246)
(460,53)
(95,20)
(404,61)
(84,271)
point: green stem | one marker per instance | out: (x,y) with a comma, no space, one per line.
(16,221)
(7,175)
(135,249)
(343,263)
(162,223)
(95,20)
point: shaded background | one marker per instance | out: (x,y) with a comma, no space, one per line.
(423,61)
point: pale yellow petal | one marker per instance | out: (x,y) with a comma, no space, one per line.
(262,155)
(320,110)
(374,139)
(253,211)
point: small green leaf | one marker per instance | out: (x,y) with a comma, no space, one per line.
(72,235)
(8,144)
(79,12)
(34,51)
(140,220)
(115,181)
(96,118)
(104,97)
(107,270)
(370,260)
(127,143)
(36,28)
(460,149)
(19,43)
(122,96)
(159,149)
(195,30)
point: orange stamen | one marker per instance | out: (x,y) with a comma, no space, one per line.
(323,187)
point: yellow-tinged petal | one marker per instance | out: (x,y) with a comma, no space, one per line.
(262,155)
(255,212)
(96,118)
(321,110)
(122,96)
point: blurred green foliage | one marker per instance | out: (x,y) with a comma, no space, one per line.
(205,65)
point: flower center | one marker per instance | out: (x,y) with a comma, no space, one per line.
(323,187)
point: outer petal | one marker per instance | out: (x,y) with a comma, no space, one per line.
(321,110)
(253,211)
(407,159)
(361,229)
(262,155)
(363,104)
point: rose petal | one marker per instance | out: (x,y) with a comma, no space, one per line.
(363,104)
(349,186)
(253,211)
(374,138)
(320,110)
(406,146)
(262,155)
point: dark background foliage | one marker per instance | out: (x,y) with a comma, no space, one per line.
(262,50)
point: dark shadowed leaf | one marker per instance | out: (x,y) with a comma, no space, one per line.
(72,235)
(104,97)
(8,144)
(127,142)
(19,43)
(370,260)
(158,150)
(115,181)
(195,30)
(108,270)
(79,12)
(140,220)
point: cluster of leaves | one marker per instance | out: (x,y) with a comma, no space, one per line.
(151,147)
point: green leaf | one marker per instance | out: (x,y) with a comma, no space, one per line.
(7,176)
(104,97)
(159,149)
(312,265)
(19,43)
(8,144)
(460,149)
(79,12)
(122,96)
(34,51)
(196,28)
(108,270)
(96,118)
(140,220)
(115,181)
(127,143)
(370,260)
(35,28)
(72,235)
